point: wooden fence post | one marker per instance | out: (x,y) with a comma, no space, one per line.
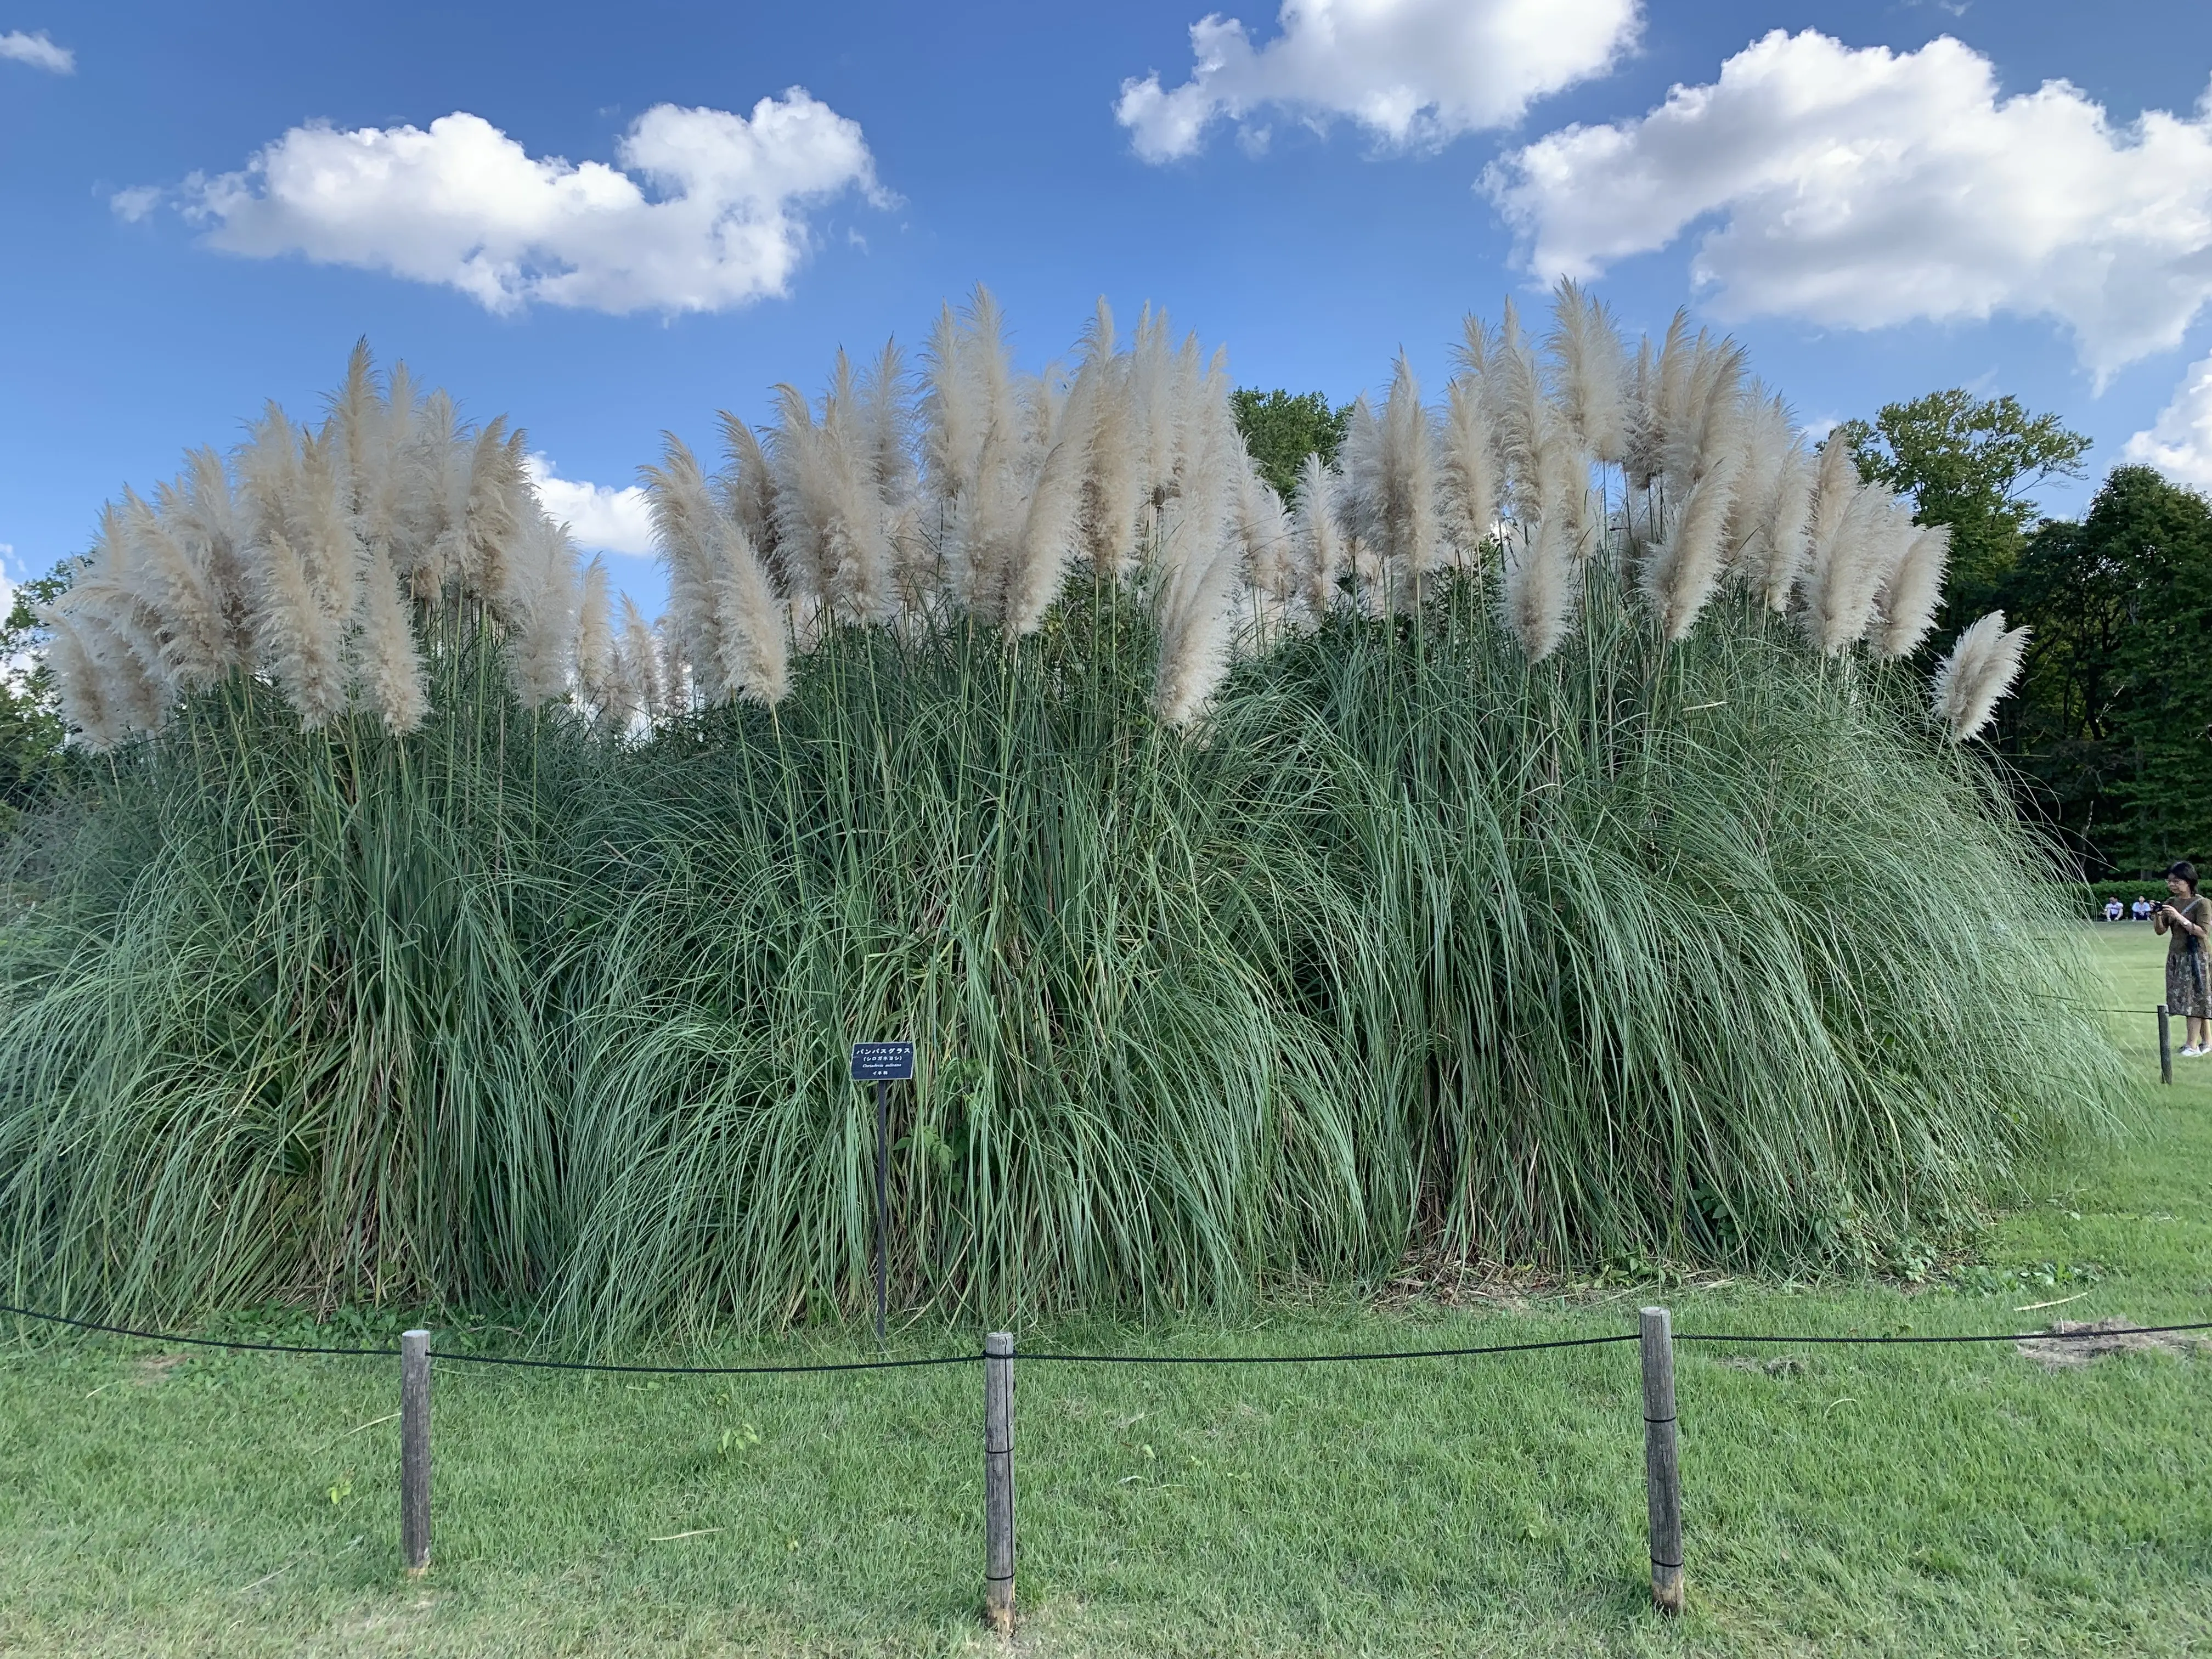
(2165,1045)
(998,1482)
(1662,1473)
(414,1450)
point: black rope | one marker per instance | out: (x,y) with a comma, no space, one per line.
(706,1370)
(1317,1359)
(2086,1334)
(198,1341)
(482,1358)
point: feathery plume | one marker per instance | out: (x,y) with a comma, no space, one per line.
(1112,486)
(388,669)
(1319,542)
(1974,675)
(675,672)
(1766,527)
(637,671)
(296,635)
(1404,490)
(1586,356)
(755,658)
(83,687)
(1051,527)
(177,601)
(1468,471)
(541,601)
(1536,599)
(1906,608)
(683,514)
(1199,565)
(1686,565)
(595,639)
(1265,547)
(746,491)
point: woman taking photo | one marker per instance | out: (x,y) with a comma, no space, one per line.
(2186,920)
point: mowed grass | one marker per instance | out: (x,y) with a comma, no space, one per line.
(1906,1500)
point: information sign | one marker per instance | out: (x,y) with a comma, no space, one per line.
(883,1062)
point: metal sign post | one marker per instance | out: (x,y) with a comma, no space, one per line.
(880,1063)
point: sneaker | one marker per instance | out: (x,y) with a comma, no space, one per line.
(2192,1054)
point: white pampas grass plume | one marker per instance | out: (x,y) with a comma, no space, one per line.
(1875,532)
(1536,599)
(1112,486)
(1586,354)
(973,432)
(830,519)
(683,516)
(755,635)
(1468,472)
(1154,370)
(637,669)
(1317,537)
(1906,609)
(1711,430)
(1197,588)
(177,599)
(746,488)
(202,506)
(1686,565)
(1050,527)
(541,601)
(1639,462)
(495,483)
(722,603)
(885,424)
(1403,494)
(1973,678)
(1767,523)
(675,673)
(297,637)
(85,693)
(1835,482)
(430,528)
(1521,418)
(1266,548)
(388,669)
(595,639)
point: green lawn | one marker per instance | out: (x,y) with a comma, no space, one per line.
(1953,1500)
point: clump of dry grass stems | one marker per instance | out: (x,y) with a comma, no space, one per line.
(1519,843)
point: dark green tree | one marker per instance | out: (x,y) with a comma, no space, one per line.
(33,758)
(1969,463)
(2114,716)
(1280,430)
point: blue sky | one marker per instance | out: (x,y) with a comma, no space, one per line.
(184,242)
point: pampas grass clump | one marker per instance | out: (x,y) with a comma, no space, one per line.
(1466,855)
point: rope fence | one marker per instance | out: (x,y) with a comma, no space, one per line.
(1655,1336)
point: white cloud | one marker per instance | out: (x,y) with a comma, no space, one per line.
(135,203)
(1412,72)
(1867,188)
(599,516)
(465,205)
(2180,443)
(37,51)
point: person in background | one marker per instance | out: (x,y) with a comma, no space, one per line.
(2113,911)
(2186,920)
(2141,909)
